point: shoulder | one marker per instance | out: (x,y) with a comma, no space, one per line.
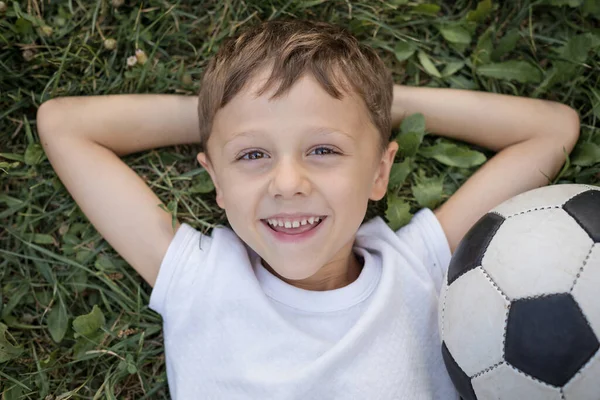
(422,241)
(424,225)
(189,239)
(189,255)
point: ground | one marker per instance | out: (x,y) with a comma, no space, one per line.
(74,320)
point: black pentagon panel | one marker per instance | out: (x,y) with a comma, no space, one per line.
(585,209)
(461,381)
(472,247)
(549,338)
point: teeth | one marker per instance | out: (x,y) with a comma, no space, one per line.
(293,224)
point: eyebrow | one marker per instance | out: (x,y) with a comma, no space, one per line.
(315,130)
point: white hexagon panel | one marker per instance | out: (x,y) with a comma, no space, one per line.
(474,318)
(554,196)
(506,383)
(536,253)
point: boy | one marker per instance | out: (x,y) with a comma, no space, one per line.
(298,301)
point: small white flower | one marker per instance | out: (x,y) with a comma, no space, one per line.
(131,61)
(110,44)
(47,30)
(28,55)
(142,58)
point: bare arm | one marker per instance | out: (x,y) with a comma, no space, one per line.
(125,124)
(529,136)
(83,138)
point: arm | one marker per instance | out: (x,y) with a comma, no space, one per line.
(529,136)
(83,138)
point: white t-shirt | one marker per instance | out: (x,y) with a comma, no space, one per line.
(232,330)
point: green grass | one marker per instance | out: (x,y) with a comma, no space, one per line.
(54,267)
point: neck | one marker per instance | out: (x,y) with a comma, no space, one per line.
(335,274)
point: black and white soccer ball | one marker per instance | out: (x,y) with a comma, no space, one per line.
(520,306)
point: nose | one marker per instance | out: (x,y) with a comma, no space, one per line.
(289,179)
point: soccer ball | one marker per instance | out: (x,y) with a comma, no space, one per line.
(519,313)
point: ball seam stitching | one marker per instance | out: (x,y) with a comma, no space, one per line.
(580,271)
(534,209)
(488,369)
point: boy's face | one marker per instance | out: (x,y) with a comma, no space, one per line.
(298,159)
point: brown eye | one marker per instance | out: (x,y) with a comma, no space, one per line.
(253,155)
(323,151)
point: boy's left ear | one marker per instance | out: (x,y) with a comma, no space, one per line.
(382,174)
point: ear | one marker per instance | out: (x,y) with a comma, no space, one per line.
(206,164)
(382,174)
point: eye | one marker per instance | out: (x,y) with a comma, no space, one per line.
(252,155)
(323,151)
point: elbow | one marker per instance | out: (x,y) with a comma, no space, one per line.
(49,117)
(45,114)
(566,126)
(572,128)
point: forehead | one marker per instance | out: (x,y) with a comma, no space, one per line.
(306,104)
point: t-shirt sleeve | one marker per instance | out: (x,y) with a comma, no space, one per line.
(427,240)
(179,269)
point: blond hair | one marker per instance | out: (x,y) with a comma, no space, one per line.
(292,48)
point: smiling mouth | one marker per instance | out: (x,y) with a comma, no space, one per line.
(295,226)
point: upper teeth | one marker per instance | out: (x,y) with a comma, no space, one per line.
(293,223)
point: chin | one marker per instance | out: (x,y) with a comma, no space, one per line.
(295,272)
(299,276)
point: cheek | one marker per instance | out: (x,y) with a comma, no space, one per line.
(233,189)
(349,189)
